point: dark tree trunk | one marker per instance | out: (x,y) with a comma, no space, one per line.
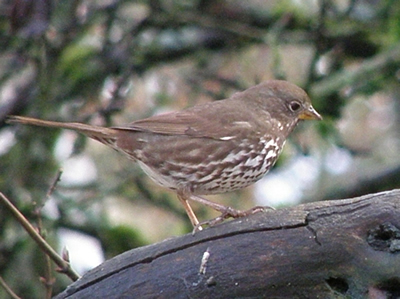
(333,249)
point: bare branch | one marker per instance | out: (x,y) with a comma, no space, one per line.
(64,266)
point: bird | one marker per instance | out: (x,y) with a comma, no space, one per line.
(210,148)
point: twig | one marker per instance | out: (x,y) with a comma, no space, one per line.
(8,289)
(343,78)
(64,266)
(273,40)
(48,280)
(54,184)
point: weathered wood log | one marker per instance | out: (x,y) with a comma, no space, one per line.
(333,249)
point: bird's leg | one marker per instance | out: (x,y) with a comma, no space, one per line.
(226,211)
(184,195)
(230,213)
(183,198)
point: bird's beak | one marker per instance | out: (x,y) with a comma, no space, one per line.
(310,113)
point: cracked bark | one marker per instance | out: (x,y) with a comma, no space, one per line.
(332,249)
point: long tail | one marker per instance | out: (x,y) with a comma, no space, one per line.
(104,135)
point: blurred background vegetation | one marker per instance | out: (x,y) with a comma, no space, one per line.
(109,62)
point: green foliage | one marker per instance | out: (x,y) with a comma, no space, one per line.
(79,67)
(120,238)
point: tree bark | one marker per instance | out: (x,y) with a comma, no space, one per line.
(333,249)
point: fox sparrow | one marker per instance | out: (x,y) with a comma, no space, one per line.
(211,148)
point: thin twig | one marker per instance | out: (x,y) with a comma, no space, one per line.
(48,280)
(63,265)
(8,289)
(54,184)
(273,40)
(349,77)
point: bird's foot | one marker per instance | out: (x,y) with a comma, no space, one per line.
(230,212)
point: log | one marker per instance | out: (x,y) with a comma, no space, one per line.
(333,249)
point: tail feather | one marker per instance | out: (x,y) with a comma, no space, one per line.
(99,133)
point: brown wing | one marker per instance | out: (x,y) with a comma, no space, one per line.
(215,120)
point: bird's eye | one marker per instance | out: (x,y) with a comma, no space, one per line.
(294,106)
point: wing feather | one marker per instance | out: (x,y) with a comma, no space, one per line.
(206,120)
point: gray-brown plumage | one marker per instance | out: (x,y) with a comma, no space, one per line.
(210,148)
